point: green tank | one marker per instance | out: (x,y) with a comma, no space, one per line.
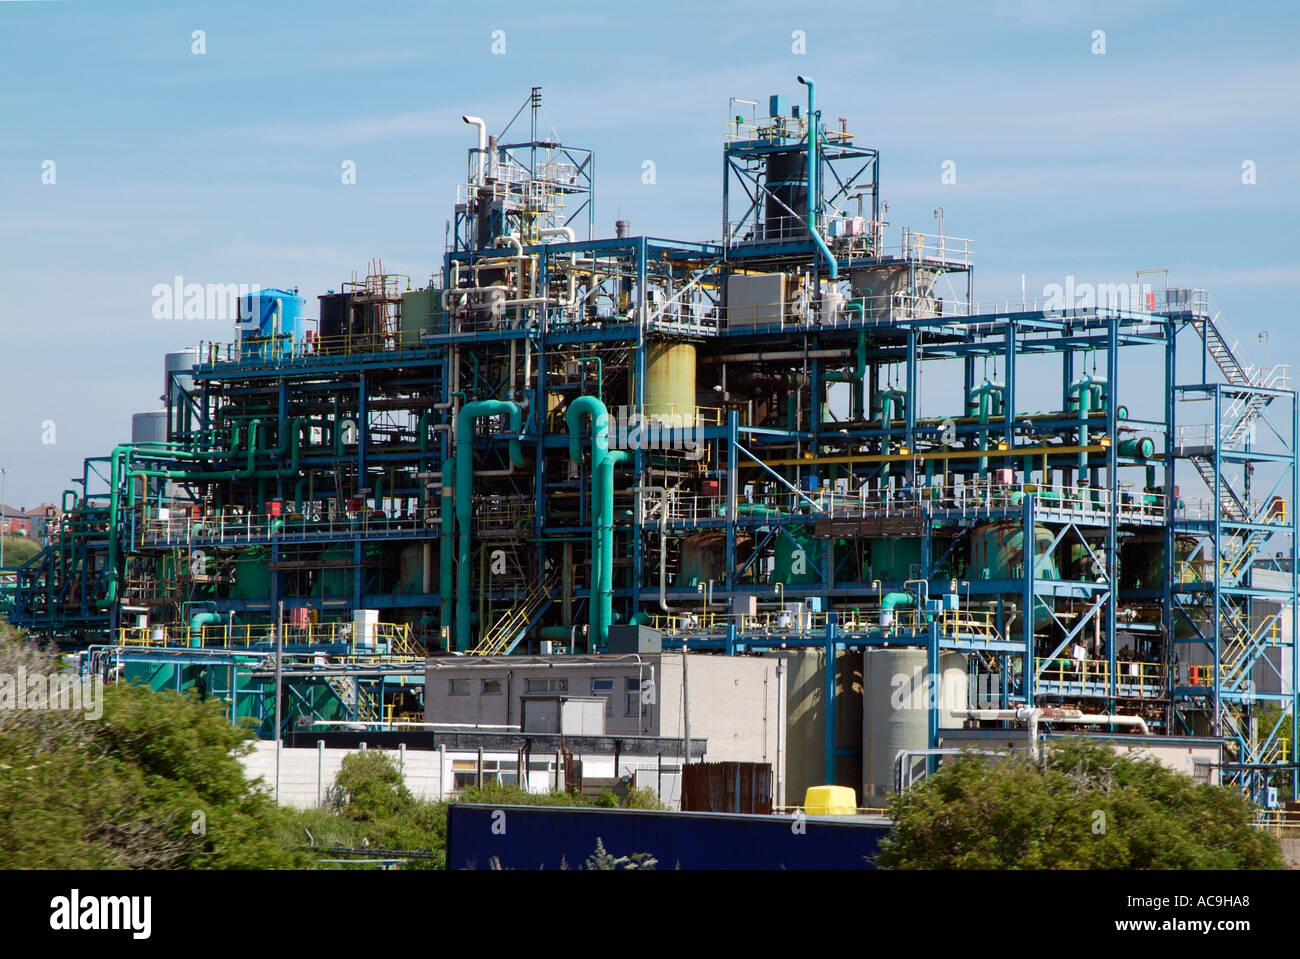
(703,557)
(894,560)
(1142,562)
(251,575)
(798,559)
(420,310)
(998,552)
(410,569)
(334,581)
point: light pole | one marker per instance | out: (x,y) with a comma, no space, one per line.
(1263,338)
(4,524)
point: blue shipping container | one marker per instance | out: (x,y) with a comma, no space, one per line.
(547,837)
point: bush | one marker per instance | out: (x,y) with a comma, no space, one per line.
(1082,806)
(369,787)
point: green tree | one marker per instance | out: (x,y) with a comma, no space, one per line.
(1082,806)
(155,783)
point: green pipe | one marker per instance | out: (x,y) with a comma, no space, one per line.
(986,402)
(1081,395)
(464,490)
(600,371)
(753,509)
(198,621)
(813,160)
(602,507)
(1140,447)
(859,374)
(604,495)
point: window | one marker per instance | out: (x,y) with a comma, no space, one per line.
(604,687)
(546,686)
(458,687)
(635,702)
(465,774)
(491,687)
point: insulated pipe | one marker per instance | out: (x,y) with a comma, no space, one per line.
(482,143)
(464,491)
(812,179)
(1032,716)
(564,231)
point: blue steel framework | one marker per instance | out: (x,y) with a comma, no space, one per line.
(493,440)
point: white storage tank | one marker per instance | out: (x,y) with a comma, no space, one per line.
(897,691)
(149,427)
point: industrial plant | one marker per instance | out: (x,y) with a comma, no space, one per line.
(794,496)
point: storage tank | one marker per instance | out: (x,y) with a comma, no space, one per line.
(894,559)
(410,569)
(786,202)
(251,576)
(997,551)
(798,559)
(334,579)
(894,291)
(897,692)
(149,427)
(703,557)
(670,380)
(335,321)
(1142,562)
(420,309)
(267,315)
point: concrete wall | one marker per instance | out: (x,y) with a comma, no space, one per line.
(306,775)
(737,703)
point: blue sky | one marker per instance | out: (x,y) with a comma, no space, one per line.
(225,167)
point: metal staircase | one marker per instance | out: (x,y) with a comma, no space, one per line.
(354,698)
(1242,413)
(504,635)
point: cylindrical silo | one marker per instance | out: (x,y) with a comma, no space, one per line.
(786,200)
(178,380)
(670,380)
(897,692)
(149,427)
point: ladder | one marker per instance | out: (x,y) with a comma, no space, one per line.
(354,698)
(506,632)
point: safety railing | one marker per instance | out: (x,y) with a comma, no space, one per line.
(500,513)
(980,498)
(967,625)
(1142,679)
(380,639)
(1279,822)
(220,528)
(767,128)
